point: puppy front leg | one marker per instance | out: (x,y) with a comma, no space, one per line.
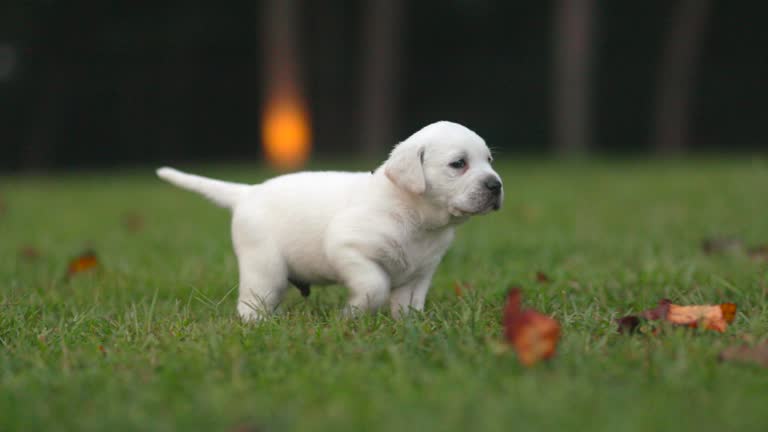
(367,282)
(410,296)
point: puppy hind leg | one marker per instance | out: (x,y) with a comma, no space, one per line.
(263,282)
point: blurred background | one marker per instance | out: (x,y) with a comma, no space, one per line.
(101,84)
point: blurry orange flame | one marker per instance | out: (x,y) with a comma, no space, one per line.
(286,132)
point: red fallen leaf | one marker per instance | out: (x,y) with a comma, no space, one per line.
(84,262)
(533,335)
(541,277)
(30,253)
(747,354)
(711,317)
(628,324)
(460,287)
(102,350)
(133,222)
(457,289)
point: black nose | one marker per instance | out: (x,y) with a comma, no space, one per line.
(494,185)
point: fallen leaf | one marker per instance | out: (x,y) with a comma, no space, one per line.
(102,350)
(460,287)
(533,335)
(541,277)
(84,262)
(747,354)
(711,317)
(457,289)
(30,253)
(132,221)
(628,324)
(721,244)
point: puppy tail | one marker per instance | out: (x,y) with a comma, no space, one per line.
(224,194)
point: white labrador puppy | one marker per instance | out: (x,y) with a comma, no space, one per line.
(381,234)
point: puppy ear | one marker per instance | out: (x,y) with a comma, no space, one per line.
(404,167)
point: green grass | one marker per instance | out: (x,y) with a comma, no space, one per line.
(613,237)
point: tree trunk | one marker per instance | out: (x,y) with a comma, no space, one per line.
(280,37)
(677,75)
(572,70)
(333,98)
(383,29)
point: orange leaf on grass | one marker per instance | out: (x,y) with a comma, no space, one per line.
(533,335)
(711,317)
(84,262)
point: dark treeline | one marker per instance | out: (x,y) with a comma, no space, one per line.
(90,83)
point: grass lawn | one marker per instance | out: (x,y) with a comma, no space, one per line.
(151,341)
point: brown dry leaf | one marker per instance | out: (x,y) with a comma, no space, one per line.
(711,317)
(747,354)
(533,335)
(30,253)
(542,277)
(84,262)
(102,350)
(459,288)
(628,324)
(133,221)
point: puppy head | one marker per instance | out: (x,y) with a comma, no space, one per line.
(448,165)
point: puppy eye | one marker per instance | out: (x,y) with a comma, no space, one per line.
(490,160)
(459,164)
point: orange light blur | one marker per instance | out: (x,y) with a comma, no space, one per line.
(286,133)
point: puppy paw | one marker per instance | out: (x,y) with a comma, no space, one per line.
(249,313)
(350,312)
